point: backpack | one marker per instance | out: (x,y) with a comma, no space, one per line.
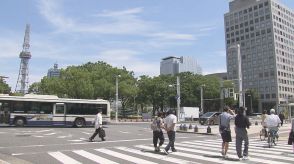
(154,125)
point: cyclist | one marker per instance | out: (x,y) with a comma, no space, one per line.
(272,122)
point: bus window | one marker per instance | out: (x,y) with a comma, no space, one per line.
(20,106)
(46,108)
(59,109)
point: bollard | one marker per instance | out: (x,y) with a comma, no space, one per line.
(195,128)
(190,126)
(256,123)
(185,128)
(208,129)
(181,127)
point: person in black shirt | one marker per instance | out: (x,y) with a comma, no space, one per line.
(241,123)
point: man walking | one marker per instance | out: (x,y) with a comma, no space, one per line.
(224,129)
(282,117)
(170,127)
(241,123)
(98,126)
(157,132)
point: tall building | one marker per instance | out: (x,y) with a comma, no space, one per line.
(54,72)
(263,30)
(173,65)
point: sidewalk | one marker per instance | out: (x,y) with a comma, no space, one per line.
(202,129)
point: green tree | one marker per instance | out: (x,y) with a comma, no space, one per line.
(4,88)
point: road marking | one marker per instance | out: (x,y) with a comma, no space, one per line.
(124,132)
(152,155)
(205,146)
(93,157)
(193,156)
(87,133)
(114,141)
(75,140)
(124,156)
(38,136)
(63,158)
(49,134)
(40,131)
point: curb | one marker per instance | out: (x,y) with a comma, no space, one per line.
(180,131)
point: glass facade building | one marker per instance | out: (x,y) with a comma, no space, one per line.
(173,65)
(264,30)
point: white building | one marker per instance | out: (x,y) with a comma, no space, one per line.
(173,65)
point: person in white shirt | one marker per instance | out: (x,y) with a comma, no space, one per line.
(98,126)
(272,122)
(170,127)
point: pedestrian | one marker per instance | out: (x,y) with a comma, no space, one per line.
(224,129)
(263,117)
(170,127)
(282,117)
(98,127)
(292,135)
(241,123)
(157,132)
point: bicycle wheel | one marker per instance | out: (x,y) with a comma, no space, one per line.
(262,135)
(270,140)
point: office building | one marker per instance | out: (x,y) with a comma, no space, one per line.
(173,65)
(54,72)
(264,32)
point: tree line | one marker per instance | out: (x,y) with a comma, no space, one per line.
(97,80)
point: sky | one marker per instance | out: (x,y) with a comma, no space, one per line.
(135,34)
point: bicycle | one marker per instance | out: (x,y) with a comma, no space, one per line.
(263,134)
(272,137)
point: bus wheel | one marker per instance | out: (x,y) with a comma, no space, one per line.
(19,122)
(80,122)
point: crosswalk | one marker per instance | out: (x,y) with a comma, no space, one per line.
(192,151)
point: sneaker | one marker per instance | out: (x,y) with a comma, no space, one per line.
(90,140)
(158,149)
(222,152)
(245,158)
(240,159)
(225,156)
(165,152)
(174,150)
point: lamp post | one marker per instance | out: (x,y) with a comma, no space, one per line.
(178,97)
(201,97)
(240,82)
(250,102)
(116,96)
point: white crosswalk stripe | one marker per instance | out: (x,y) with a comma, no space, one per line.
(192,151)
(63,158)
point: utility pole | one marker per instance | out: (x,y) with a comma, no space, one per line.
(116,97)
(201,98)
(178,97)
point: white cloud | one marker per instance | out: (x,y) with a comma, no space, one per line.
(173,36)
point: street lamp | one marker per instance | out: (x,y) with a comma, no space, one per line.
(250,102)
(178,97)
(201,97)
(116,96)
(240,82)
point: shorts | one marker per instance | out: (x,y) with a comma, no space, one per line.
(226,136)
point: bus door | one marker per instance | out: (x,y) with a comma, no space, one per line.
(4,113)
(59,118)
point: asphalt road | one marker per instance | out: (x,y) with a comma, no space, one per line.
(32,144)
(125,143)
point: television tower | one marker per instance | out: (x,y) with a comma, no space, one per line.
(25,56)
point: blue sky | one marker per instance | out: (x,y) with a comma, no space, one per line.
(136,34)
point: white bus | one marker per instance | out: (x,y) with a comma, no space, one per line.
(49,110)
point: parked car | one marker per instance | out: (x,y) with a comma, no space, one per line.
(209,118)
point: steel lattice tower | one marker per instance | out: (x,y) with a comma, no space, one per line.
(25,56)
